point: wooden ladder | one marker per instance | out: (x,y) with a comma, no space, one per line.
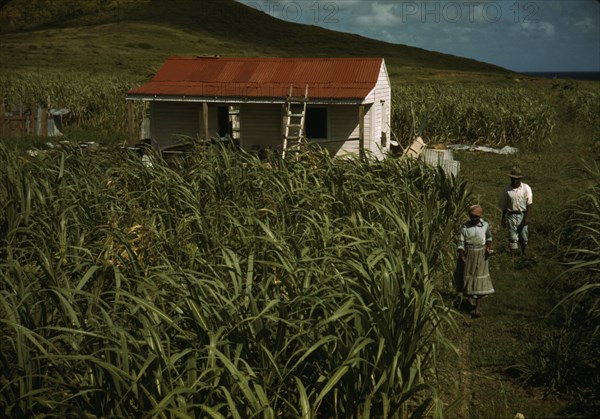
(293,120)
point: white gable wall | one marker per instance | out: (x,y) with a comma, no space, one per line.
(380,115)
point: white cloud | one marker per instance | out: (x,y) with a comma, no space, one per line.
(388,36)
(459,34)
(538,28)
(586,24)
(380,15)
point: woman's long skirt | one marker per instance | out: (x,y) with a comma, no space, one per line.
(473,276)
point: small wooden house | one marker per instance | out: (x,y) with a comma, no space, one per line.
(347,101)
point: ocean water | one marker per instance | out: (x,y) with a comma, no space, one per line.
(574,75)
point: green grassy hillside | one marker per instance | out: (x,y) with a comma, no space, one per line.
(135,36)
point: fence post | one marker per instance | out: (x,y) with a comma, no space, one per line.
(130,122)
(44,122)
(32,119)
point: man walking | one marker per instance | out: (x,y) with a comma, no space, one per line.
(516,211)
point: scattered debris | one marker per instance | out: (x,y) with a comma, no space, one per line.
(415,149)
(441,157)
(436,155)
(90,146)
(504,150)
(55,123)
(147,161)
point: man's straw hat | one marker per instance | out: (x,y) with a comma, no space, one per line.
(516,173)
(476,210)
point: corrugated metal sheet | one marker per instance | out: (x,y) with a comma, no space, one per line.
(443,158)
(335,78)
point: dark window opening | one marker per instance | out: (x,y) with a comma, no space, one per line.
(223,120)
(316,123)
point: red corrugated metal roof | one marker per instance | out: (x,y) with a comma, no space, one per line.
(327,78)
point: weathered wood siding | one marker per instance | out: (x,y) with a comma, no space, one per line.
(170,121)
(260,126)
(343,129)
(381,97)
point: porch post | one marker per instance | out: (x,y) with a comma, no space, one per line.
(205,118)
(361,131)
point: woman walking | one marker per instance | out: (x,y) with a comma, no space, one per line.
(474,247)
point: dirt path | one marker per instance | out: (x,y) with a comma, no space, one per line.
(478,376)
(465,371)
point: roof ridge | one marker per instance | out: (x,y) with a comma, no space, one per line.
(217,57)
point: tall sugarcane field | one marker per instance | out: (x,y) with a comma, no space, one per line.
(224,282)
(227,284)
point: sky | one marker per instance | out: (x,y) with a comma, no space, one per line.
(520,35)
